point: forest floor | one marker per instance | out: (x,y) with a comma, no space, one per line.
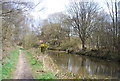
(23,70)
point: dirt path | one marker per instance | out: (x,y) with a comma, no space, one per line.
(23,70)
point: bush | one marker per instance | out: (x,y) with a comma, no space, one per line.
(73,44)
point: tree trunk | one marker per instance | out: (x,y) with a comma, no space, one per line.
(97,42)
(83,45)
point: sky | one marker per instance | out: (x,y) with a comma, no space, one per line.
(53,6)
(50,6)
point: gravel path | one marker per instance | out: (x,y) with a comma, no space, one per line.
(23,70)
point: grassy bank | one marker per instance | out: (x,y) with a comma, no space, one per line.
(10,64)
(38,68)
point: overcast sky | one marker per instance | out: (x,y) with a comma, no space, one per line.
(53,6)
(50,6)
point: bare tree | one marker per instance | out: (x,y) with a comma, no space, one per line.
(16,19)
(83,16)
(113,11)
(119,24)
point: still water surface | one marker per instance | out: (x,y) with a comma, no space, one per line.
(86,66)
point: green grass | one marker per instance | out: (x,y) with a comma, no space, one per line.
(36,65)
(0,71)
(44,76)
(10,65)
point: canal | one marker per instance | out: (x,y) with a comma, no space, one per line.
(86,66)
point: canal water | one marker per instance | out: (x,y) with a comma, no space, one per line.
(86,66)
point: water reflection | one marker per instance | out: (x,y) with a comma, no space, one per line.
(85,66)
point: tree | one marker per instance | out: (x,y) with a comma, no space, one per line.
(119,24)
(83,16)
(64,20)
(53,33)
(11,22)
(113,7)
(15,21)
(102,31)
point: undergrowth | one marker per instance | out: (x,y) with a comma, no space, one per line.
(37,68)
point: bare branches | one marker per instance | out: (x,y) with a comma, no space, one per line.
(83,15)
(19,7)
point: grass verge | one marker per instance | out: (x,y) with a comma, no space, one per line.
(10,64)
(0,71)
(37,68)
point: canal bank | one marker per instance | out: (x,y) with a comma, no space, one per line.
(105,55)
(49,66)
(73,66)
(37,68)
(108,56)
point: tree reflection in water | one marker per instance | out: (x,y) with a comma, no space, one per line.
(86,65)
